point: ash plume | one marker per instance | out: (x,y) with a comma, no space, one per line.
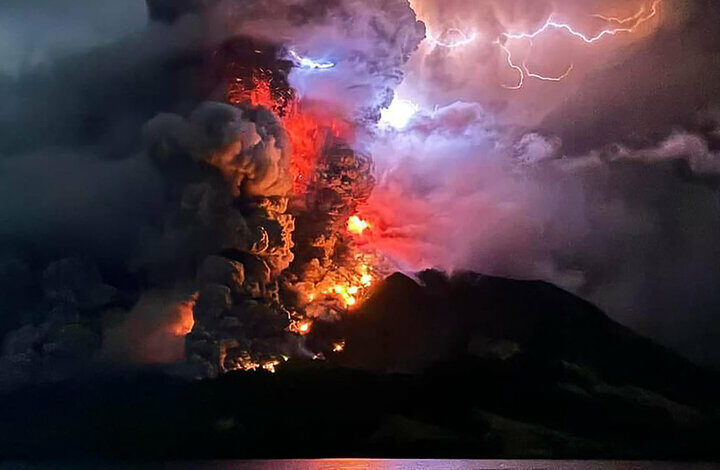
(604,183)
(176,213)
(210,162)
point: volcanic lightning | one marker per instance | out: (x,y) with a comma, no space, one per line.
(626,25)
(308,63)
(639,18)
(398,114)
(463,38)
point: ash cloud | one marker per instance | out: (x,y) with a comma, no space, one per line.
(78,186)
(367,41)
(605,183)
(116,166)
(632,229)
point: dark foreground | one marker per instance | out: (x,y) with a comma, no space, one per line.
(472,367)
(371,464)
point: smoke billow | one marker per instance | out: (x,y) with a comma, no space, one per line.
(604,183)
(181,193)
(170,214)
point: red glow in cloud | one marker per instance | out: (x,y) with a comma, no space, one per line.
(400,226)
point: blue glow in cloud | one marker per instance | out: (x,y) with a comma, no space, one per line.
(308,63)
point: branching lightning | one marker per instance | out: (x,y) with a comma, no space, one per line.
(524,72)
(307,63)
(639,18)
(625,25)
(463,39)
(623,21)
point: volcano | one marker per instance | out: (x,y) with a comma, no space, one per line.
(436,365)
(216,229)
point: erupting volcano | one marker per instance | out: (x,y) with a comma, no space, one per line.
(272,175)
(290,178)
(402,219)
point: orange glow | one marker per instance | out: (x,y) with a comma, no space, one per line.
(345,292)
(339,347)
(352,289)
(308,128)
(185,320)
(246,363)
(357,225)
(301,327)
(270,366)
(261,95)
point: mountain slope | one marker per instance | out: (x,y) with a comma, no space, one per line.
(463,366)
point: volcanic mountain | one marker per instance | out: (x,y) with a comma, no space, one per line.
(436,365)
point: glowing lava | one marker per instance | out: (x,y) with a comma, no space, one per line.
(337,278)
(301,327)
(350,292)
(270,366)
(185,320)
(357,225)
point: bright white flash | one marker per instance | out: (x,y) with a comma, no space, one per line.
(399,113)
(308,63)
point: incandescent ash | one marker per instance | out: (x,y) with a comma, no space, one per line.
(254,177)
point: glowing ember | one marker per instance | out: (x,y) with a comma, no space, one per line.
(301,327)
(308,131)
(341,275)
(270,366)
(357,225)
(399,113)
(350,292)
(346,292)
(184,314)
(245,363)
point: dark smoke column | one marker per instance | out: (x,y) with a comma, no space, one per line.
(230,167)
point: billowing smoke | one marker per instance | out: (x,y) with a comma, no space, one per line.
(184,193)
(604,182)
(149,225)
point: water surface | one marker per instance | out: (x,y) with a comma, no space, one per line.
(366,464)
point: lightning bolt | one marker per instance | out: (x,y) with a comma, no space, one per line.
(639,18)
(622,21)
(523,71)
(625,25)
(463,40)
(308,63)
(636,20)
